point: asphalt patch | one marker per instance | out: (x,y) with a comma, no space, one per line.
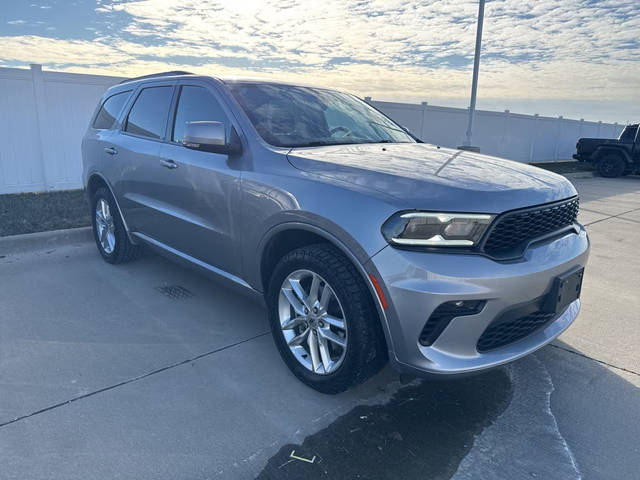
(423,432)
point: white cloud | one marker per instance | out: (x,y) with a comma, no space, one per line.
(393,49)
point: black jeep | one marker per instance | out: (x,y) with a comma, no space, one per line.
(612,157)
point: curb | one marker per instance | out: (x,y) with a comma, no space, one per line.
(44,240)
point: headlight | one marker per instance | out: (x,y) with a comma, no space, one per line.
(431,229)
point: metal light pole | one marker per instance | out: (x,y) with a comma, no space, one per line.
(474,84)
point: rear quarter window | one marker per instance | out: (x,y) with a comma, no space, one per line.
(109,110)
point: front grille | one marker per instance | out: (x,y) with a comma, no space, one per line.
(513,231)
(500,334)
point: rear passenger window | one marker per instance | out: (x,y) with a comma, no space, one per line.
(148,116)
(110,110)
(197,104)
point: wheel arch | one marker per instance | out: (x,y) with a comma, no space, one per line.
(94,182)
(600,152)
(286,237)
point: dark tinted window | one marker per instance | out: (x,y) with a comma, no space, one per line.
(148,116)
(197,104)
(110,110)
(629,134)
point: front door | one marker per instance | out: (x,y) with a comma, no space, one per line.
(199,189)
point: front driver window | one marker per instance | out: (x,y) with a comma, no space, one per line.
(197,104)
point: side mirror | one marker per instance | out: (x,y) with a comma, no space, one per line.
(210,137)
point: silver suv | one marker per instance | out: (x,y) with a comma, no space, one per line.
(366,244)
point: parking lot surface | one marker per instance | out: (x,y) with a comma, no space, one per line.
(151,371)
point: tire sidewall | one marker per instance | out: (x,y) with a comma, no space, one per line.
(347,373)
(616,166)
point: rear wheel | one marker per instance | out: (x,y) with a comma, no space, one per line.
(108,230)
(611,166)
(323,319)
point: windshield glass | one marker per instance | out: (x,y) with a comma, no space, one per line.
(291,116)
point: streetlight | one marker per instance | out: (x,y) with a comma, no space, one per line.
(474,84)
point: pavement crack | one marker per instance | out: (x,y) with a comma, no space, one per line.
(579,354)
(567,449)
(132,380)
(609,217)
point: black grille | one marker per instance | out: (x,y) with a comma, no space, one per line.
(513,231)
(501,334)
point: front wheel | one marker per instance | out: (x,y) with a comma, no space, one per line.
(611,166)
(323,319)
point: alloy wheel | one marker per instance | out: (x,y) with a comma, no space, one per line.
(312,321)
(105,226)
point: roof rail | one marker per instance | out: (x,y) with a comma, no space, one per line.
(162,74)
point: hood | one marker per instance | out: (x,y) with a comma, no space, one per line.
(424,176)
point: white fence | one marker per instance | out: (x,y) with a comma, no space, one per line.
(43,116)
(525,138)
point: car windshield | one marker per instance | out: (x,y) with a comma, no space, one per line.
(292,116)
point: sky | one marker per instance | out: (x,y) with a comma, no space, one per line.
(576,58)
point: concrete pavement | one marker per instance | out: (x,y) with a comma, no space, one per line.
(149,370)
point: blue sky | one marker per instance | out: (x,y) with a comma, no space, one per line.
(577,58)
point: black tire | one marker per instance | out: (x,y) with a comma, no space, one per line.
(366,351)
(611,166)
(124,251)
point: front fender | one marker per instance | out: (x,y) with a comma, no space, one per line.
(345,243)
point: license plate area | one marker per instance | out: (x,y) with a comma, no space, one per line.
(566,289)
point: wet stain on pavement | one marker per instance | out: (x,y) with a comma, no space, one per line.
(424,431)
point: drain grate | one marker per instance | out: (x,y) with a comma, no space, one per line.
(175,292)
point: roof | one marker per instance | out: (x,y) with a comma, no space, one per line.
(172,73)
(227,80)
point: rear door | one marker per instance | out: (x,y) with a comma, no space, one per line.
(137,154)
(199,189)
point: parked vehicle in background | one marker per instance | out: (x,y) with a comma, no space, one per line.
(612,157)
(366,245)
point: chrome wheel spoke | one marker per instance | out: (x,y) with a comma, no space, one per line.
(336,322)
(313,290)
(298,339)
(332,337)
(291,323)
(299,291)
(312,342)
(325,297)
(293,301)
(324,353)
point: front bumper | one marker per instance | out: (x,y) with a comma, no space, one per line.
(415,283)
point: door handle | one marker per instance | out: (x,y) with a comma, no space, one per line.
(110,150)
(169,164)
